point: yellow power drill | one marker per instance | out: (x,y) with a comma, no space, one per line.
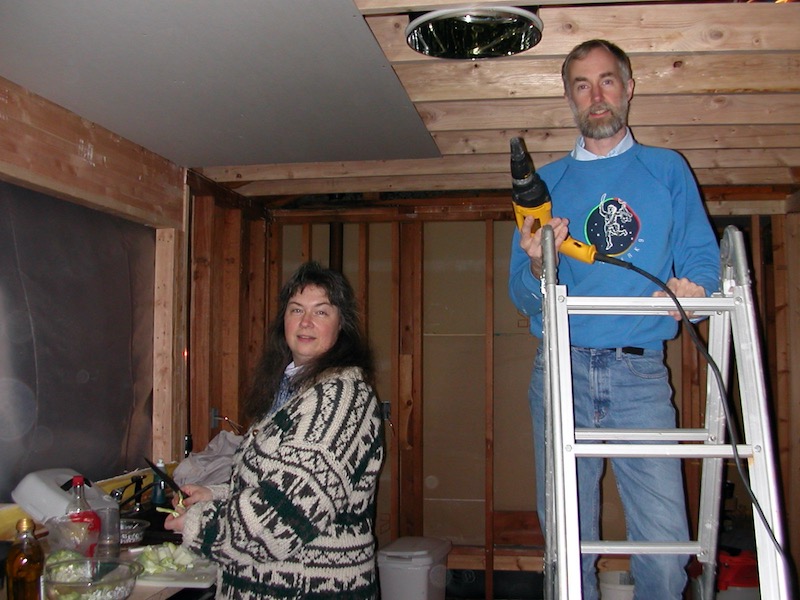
(531,198)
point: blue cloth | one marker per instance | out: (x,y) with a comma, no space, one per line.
(285,391)
(643,207)
(612,389)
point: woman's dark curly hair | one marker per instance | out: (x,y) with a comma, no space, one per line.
(351,349)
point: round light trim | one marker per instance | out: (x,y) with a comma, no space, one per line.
(474,32)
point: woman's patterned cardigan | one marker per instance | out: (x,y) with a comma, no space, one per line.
(296,519)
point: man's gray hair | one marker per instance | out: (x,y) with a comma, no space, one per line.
(581,50)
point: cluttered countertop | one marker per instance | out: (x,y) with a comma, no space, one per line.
(168,570)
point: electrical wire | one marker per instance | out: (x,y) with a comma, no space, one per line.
(730,424)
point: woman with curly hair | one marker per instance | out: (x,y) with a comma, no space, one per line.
(296,518)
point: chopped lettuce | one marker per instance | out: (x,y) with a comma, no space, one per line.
(62,555)
(166,557)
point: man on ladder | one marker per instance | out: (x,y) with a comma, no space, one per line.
(640,204)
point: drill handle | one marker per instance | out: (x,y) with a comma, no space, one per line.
(569,247)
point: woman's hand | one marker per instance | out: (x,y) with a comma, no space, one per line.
(192,494)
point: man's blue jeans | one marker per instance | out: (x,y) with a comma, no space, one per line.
(612,389)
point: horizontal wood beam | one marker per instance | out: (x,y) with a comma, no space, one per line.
(490,181)
(389,7)
(719,200)
(52,150)
(646,28)
(654,74)
(678,137)
(717,109)
(263,180)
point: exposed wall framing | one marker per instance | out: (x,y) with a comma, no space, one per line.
(508,528)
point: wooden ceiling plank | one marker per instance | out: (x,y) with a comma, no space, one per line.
(723,109)
(687,27)
(489,181)
(679,137)
(663,75)
(372,7)
(498,163)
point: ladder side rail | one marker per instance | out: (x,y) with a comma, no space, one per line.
(561,490)
(772,572)
(564,443)
(712,474)
(551,395)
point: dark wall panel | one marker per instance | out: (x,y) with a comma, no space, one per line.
(76,330)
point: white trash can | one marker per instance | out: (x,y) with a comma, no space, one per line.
(413,567)
(615,585)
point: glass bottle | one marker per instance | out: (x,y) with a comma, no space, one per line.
(80,512)
(24,564)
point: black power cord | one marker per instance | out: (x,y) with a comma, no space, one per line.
(730,424)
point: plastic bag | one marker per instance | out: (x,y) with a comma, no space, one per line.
(210,466)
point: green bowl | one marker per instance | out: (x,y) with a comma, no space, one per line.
(90,579)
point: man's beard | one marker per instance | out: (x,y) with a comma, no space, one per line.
(601,129)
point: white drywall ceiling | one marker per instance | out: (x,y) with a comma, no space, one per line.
(217,82)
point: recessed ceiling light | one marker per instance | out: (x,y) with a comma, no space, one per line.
(474,32)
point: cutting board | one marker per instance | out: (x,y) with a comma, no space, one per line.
(203,575)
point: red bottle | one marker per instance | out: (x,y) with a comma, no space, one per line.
(79,511)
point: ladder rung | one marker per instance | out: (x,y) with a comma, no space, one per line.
(643,435)
(629,547)
(602,305)
(659,450)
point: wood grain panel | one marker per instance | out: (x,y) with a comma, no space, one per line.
(721,109)
(638,28)
(678,137)
(47,148)
(229,314)
(681,73)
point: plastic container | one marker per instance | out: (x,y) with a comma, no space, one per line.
(615,585)
(737,569)
(737,576)
(45,494)
(732,593)
(414,567)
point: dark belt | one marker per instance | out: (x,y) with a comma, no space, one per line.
(632,350)
(625,349)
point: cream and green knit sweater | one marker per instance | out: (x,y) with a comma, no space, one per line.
(296,519)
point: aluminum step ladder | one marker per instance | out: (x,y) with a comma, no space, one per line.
(732,322)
